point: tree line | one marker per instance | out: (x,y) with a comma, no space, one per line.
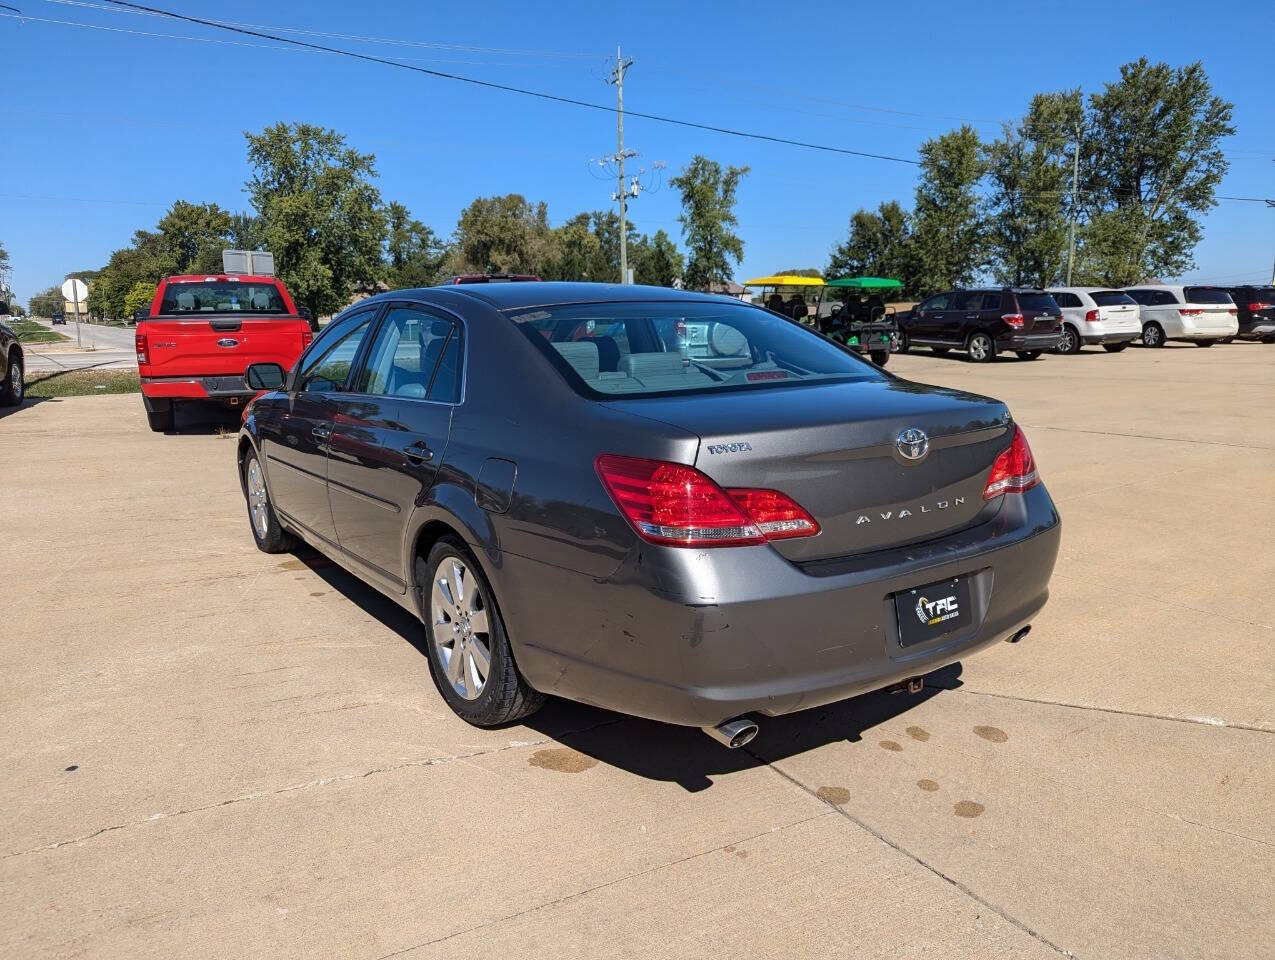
(1149,162)
(316,207)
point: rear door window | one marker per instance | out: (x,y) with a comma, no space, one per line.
(964,301)
(991,301)
(1206,295)
(405,354)
(1064,299)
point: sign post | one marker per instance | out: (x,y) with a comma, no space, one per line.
(76,292)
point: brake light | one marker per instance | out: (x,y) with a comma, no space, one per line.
(1013,319)
(143,351)
(676,504)
(1091,316)
(1255,307)
(1191,313)
(1014,470)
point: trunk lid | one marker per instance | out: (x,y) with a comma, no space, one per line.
(219,345)
(1040,313)
(833,449)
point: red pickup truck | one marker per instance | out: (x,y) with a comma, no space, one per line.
(202,332)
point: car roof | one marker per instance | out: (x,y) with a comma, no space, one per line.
(220,278)
(517,296)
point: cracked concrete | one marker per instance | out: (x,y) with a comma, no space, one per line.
(215,752)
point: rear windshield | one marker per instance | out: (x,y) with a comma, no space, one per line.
(662,349)
(228,296)
(1206,295)
(1111,298)
(1037,301)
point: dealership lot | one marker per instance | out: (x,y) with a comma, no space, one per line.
(212,751)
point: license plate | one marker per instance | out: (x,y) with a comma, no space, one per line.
(933,610)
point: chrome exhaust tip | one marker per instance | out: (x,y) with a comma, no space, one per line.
(733,733)
(1020,635)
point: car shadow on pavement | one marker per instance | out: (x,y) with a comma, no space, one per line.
(662,751)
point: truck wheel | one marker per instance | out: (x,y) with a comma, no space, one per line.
(159,414)
(13,389)
(470,657)
(1153,335)
(266,529)
(880,357)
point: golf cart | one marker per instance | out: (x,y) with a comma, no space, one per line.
(860,319)
(792,295)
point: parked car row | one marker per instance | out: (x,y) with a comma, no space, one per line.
(986,323)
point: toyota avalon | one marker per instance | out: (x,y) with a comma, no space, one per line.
(669,504)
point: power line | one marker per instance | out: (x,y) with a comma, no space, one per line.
(508,88)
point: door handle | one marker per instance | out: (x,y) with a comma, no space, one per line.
(322,431)
(971,316)
(419,452)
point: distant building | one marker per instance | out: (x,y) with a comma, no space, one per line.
(731,289)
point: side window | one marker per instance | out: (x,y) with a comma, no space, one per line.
(963,301)
(1169,297)
(1139,296)
(404,354)
(991,301)
(327,371)
(446,385)
(1066,299)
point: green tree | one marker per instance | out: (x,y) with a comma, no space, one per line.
(414,255)
(577,251)
(4,263)
(147,260)
(878,244)
(708,221)
(1151,162)
(948,231)
(503,234)
(656,260)
(245,232)
(319,212)
(139,297)
(1030,173)
(46,303)
(192,236)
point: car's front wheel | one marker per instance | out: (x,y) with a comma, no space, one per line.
(469,654)
(268,533)
(13,388)
(1068,340)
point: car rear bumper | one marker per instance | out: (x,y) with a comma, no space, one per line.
(1028,341)
(697,637)
(231,389)
(1110,336)
(1257,327)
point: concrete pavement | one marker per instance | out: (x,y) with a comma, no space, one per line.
(261,765)
(99,346)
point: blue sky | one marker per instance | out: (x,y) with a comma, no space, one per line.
(107,128)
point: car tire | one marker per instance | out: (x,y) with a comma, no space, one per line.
(1028,354)
(14,387)
(980,348)
(900,342)
(453,619)
(1069,340)
(941,351)
(1153,335)
(1205,343)
(880,357)
(267,531)
(159,414)
(1114,347)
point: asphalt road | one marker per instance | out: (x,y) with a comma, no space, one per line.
(215,752)
(107,347)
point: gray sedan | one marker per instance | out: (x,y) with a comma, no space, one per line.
(669,504)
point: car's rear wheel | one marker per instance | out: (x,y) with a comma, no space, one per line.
(1153,335)
(266,529)
(1068,340)
(980,348)
(1114,347)
(1028,354)
(469,654)
(14,387)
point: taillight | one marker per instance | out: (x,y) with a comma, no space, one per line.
(307,338)
(143,353)
(1013,319)
(1091,316)
(1014,470)
(676,504)
(1256,307)
(1191,313)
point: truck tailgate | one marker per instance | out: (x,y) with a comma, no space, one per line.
(219,346)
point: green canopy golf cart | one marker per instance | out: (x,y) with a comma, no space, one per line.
(864,322)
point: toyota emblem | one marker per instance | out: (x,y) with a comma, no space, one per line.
(913,443)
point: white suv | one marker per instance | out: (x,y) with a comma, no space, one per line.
(1096,315)
(1203,315)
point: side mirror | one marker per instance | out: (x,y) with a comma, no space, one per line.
(265,376)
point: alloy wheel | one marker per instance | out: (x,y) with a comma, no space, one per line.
(1151,336)
(460,627)
(258,501)
(16,384)
(980,347)
(1067,342)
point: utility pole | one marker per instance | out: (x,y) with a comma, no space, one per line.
(1075,188)
(622,194)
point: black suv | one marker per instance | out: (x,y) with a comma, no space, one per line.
(1256,307)
(984,323)
(12,387)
